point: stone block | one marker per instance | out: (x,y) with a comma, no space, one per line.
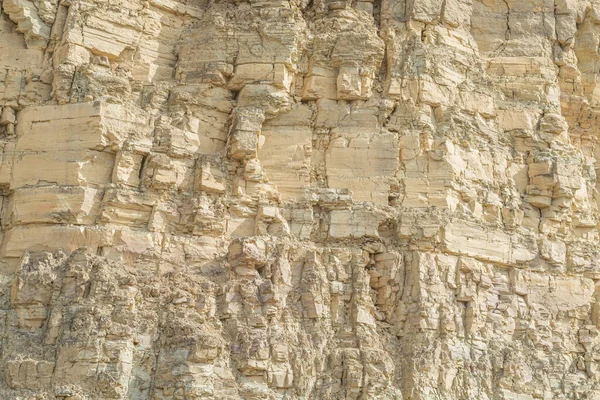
(488,244)
(357,223)
(54,204)
(249,252)
(210,178)
(246,131)
(128,167)
(81,167)
(554,251)
(19,239)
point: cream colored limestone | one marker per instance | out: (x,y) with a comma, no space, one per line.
(283,199)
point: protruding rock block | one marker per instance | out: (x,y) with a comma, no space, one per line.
(489,244)
(209,177)
(77,126)
(356,223)
(246,131)
(54,204)
(247,252)
(353,83)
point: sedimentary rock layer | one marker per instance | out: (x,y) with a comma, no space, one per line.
(293,199)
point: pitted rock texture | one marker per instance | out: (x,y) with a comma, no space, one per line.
(293,199)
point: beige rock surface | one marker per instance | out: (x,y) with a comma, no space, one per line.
(390,199)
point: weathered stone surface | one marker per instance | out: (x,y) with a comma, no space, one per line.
(391,199)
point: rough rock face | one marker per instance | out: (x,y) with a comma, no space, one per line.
(294,199)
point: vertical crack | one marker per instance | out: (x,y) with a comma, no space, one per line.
(507,32)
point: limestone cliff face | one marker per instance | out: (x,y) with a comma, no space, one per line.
(294,199)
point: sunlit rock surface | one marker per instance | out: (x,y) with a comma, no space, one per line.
(389,199)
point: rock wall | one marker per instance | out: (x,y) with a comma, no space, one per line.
(299,199)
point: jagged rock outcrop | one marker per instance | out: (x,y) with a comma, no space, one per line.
(391,199)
